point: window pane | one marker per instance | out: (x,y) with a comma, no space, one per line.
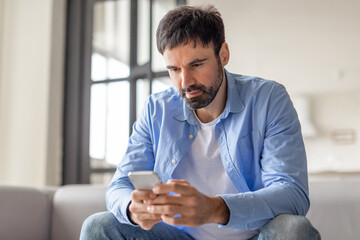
(98,121)
(99,67)
(160,8)
(142,92)
(118,121)
(160,84)
(109,123)
(111,40)
(143,53)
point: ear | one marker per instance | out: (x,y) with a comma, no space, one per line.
(224,54)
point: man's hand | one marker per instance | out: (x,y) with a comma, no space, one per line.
(192,207)
(138,210)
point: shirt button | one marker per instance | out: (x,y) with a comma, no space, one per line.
(173,161)
(191,136)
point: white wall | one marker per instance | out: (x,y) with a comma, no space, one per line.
(312,47)
(335,112)
(31,89)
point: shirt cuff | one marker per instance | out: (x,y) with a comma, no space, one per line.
(242,217)
(128,215)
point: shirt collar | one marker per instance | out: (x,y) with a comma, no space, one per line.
(234,103)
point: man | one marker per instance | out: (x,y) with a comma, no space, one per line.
(227,147)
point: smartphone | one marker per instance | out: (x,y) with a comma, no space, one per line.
(144,180)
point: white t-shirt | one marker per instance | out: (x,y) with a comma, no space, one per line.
(202,167)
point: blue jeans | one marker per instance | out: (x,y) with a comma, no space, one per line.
(104,225)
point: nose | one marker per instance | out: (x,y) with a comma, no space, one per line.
(186,78)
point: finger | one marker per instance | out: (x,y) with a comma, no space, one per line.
(170,210)
(138,207)
(172,200)
(183,221)
(175,186)
(140,195)
(178,180)
(147,216)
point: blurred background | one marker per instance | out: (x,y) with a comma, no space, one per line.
(74,76)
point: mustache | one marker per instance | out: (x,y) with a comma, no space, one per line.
(193,88)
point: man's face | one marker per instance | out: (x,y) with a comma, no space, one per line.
(196,72)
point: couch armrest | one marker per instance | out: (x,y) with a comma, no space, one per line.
(335,209)
(72,204)
(25,213)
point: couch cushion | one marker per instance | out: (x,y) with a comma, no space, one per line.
(72,204)
(335,209)
(27,207)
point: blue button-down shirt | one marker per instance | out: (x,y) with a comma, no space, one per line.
(260,142)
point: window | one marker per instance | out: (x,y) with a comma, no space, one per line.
(110,71)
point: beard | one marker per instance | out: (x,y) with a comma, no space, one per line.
(208,93)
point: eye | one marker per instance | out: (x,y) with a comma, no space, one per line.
(196,65)
(173,69)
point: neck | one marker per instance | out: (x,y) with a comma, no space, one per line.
(216,107)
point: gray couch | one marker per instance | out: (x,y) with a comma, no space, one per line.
(58,213)
(47,213)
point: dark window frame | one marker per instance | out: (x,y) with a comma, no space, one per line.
(76,126)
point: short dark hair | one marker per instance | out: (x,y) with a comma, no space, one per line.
(187,24)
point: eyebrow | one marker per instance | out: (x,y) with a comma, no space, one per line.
(190,63)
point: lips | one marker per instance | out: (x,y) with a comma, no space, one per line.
(193,93)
